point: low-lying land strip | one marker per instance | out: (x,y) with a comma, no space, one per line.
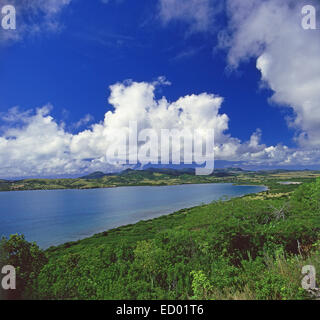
(277,179)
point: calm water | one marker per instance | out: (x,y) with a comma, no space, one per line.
(57,216)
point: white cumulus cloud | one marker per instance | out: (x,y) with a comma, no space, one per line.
(33,143)
(286,55)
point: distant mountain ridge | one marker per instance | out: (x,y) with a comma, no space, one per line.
(169,171)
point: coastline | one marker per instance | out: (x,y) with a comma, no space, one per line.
(172,213)
(140,185)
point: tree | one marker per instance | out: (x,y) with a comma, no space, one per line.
(27,258)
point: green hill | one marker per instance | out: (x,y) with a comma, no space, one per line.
(94,175)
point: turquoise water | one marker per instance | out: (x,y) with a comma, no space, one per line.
(52,217)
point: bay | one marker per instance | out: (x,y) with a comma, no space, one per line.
(53,217)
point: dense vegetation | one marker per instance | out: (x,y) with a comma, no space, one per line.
(248,248)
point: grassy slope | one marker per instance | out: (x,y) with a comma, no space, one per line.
(148,229)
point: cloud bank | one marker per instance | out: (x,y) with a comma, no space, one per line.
(287,57)
(33,143)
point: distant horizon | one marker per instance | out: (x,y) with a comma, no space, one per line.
(81,175)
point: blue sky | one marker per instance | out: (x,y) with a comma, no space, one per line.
(96,44)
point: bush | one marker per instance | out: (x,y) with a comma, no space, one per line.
(28,261)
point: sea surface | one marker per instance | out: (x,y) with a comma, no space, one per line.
(53,217)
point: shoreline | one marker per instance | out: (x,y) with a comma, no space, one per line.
(142,185)
(182,210)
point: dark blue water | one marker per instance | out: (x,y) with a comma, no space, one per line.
(56,216)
